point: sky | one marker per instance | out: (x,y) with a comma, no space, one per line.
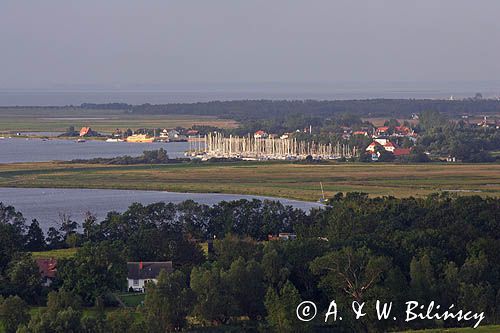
(153,42)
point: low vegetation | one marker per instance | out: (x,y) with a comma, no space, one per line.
(278,179)
(58,119)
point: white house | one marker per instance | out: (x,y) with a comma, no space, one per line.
(140,273)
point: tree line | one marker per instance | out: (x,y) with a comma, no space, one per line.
(267,109)
(441,248)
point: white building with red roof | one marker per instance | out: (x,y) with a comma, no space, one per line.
(384,143)
(260,135)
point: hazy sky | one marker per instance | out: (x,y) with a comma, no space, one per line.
(123,42)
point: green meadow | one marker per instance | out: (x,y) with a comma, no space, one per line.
(279,179)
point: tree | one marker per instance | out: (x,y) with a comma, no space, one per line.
(281,307)
(214,301)
(68,229)
(231,248)
(90,227)
(12,234)
(14,312)
(35,240)
(423,282)
(245,281)
(24,276)
(274,268)
(167,303)
(120,321)
(54,238)
(352,271)
(95,270)
(62,314)
(431,119)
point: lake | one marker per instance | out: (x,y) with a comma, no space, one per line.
(47,204)
(37,150)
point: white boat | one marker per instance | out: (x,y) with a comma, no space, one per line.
(80,140)
(114,140)
(322,200)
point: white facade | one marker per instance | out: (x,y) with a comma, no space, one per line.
(138,285)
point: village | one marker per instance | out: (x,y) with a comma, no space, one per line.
(261,145)
(359,141)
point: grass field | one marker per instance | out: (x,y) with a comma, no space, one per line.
(56,254)
(105,121)
(280,179)
(131,300)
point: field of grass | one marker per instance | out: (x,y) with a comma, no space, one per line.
(131,300)
(105,121)
(279,179)
(56,254)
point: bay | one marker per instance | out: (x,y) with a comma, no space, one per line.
(15,150)
(47,205)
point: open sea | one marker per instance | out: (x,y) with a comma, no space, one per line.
(190,93)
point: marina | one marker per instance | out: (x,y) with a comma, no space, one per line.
(252,148)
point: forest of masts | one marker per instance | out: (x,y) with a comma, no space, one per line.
(216,145)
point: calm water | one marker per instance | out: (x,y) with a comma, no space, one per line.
(46,204)
(191,93)
(37,150)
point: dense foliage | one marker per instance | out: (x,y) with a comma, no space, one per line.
(442,248)
(268,109)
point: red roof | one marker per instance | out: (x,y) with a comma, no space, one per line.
(371,146)
(47,267)
(260,132)
(389,144)
(360,133)
(383,128)
(84,131)
(401,151)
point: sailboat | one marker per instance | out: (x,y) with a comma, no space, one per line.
(322,200)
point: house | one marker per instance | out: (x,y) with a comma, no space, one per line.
(260,135)
(192,132)
(140,273)
(383,130)
(389,146)
(384,143)
(174,135)
(402,131)
(372,147)
(287,236)
(364,133)
(48,270)
(164,134)
(87,131)
(285,136)
(284,236)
